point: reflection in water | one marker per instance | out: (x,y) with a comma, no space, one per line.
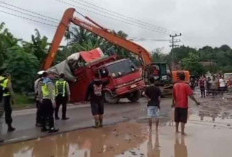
(105,142)
(180,147)
(153,151)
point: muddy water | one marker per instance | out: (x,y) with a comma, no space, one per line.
(209,134)
(204,139)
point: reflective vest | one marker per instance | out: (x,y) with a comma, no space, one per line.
(45,90)
(6,91)
(61,86)
(47,93)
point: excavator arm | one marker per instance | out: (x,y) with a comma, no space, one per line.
(96,29)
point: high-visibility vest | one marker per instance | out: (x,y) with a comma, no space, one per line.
(45,90)
(61,86)
(6,91)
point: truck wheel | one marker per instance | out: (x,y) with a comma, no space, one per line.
(109,98)
(134,96)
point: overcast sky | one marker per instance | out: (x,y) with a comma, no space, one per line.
(202,22)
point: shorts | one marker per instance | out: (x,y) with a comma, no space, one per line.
(97,108)
(181,115)
(152,112)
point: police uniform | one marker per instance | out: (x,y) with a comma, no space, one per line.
(1,106)
(7,91)
(48,92)
(62,97)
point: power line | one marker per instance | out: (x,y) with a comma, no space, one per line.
(173,45)
(26,18)
(45,19)
(125,18)
(105,15)
(113,13)
(28,11)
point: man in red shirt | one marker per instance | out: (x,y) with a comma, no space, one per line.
(181,92)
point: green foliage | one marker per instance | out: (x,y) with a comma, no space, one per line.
(81,40)
(38,46)
(191,63)
(22,60)
(158,56)
(23,68)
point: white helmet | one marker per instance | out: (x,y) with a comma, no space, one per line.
(40,72)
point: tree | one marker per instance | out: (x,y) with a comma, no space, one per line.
(192,64)
(23,68)
(7,40)
(158,56)
(38,46)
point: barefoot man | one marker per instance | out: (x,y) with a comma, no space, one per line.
(181,92)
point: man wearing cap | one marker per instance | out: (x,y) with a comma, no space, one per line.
(48,104)
(38,97)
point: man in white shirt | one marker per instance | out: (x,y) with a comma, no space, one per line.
(222,85)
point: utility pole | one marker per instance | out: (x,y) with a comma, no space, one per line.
(173,45)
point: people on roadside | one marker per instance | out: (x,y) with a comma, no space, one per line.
(38,97)
(1,106)
(208,86)
(48,104)
(202,84)
(181,92)
(62,96)
(214,86)
(222,85)
(192,83)
(153,94)
(97,100)
(8,100)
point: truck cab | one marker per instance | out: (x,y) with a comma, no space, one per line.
(123,77)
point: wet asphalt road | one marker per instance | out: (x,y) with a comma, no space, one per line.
(80,117)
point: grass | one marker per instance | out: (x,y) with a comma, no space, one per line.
(23,101)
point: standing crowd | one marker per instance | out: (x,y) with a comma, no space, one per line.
(214,86)
(50,94)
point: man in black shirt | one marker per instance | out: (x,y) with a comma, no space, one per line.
(97,101)
(153,94)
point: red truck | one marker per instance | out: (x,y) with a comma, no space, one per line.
(124,79)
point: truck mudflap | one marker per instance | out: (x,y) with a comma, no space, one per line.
(140,85)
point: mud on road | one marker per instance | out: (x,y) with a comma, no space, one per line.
(209,134)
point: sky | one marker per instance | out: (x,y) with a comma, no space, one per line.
(201,22)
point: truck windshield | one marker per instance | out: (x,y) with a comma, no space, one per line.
(121,68)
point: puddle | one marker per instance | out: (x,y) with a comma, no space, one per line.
(102,142)
(209,134)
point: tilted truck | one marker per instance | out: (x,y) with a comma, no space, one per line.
(124,85)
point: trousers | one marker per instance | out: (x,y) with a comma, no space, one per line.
(60,100)
(7,109)
(47,113)
(38,112)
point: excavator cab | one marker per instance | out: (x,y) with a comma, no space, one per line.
(160,72)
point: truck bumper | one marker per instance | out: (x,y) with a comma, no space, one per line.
(130,88)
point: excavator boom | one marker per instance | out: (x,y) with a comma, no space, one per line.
(96,29)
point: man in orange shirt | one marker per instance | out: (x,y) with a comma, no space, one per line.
(181,92)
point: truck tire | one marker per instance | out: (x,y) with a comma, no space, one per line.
(109,98)
(134,96)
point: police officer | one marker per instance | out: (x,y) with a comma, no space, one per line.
(62,97)
(38,97)
(1,106)
(7,100)
(48,104)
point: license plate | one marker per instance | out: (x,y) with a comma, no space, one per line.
(133,86)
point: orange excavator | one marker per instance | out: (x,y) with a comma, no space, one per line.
(149,67)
